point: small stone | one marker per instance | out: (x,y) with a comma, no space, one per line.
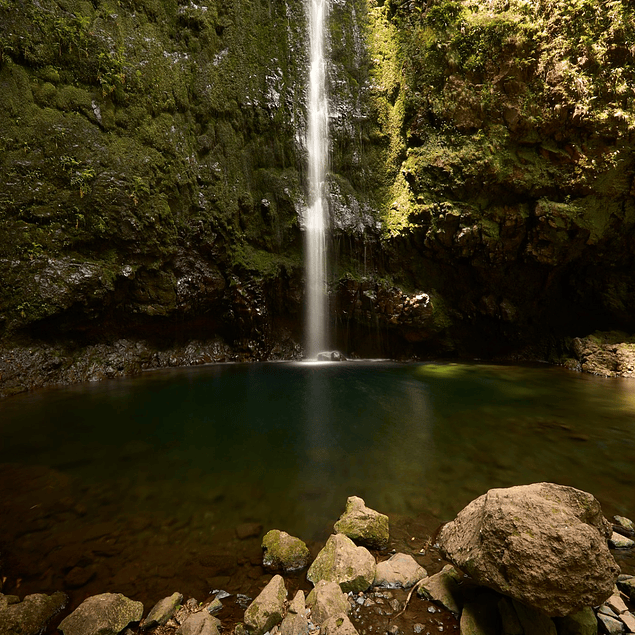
(338,625)
(605,610)
(418,628)
(363,525)
(400,570)
(443,588)
(352,567)
(611,625)
(617,541)
(616,603)
(162,611)
(282,551)
(295,621)
(629,621)
(625,523)
(267,609)
(626,584)
(214,606)
(201,623)
(326,600)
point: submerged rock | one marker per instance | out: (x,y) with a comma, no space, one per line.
(267,609)
(363,525)
(105,614)
(282,551)
(618,541)
(31,615)
(341,561)
(542,544)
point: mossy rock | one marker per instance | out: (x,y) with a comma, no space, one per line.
(282,551)
(363,525)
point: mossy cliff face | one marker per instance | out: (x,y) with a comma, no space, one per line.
(150,172)
(509,192)
(152,177)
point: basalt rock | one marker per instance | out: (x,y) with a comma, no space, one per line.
(544,545)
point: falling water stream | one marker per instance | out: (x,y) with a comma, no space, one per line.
(317,143)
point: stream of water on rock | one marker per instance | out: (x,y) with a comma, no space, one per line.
(138,485)
(316,221)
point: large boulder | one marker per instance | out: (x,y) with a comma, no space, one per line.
(341,561)
(282,551)
(30,616)
(267,609)
(544,545)
(363,525)
(105,614)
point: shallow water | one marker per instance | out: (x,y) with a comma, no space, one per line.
(137,483)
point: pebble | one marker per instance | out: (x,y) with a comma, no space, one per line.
(617,541)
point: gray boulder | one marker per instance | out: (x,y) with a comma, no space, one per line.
(443,588)
(162,611)
(363,525)
(201,623)
(341,561)
(542,544)
(610,625)
(326,600)
(105,614)
(295,622)
(400,570)
(267,609)
(31,615)
(282,551)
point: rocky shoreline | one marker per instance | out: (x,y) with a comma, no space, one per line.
(559,577)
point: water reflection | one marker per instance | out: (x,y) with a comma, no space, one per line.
(177,459)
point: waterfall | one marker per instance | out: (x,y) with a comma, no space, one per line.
(316,223)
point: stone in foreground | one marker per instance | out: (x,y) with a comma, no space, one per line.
(30,616)
(105,614)
(162,611)
(443,588)
(618,541)
(331,356)
(267,609)
(326,600)
(363,525)
(295,622)
(352,567)
(282,551)
(339,625)
(201,623)
(399,571)
(544,545)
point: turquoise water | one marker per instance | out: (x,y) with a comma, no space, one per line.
(174,460)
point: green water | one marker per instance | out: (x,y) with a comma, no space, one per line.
(174,458)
